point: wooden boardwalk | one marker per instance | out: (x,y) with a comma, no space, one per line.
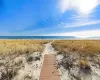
(49,69)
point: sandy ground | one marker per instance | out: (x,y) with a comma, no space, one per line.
(23,66)
(49,49)
(71,70)
(28,66)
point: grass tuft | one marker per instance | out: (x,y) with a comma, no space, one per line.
(79,46)
(21,46)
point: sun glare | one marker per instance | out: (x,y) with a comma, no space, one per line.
(81,6)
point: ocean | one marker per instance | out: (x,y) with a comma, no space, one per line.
(37,37)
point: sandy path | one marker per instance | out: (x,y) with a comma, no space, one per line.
(49,70)
(49,49)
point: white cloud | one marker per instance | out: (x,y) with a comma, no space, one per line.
(80,24)
(81,6)
(81,34)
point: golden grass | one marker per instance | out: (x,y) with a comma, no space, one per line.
(84,62)
(21,46)
(79,46)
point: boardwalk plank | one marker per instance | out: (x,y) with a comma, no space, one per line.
(47,72)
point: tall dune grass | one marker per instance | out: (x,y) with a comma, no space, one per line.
(21,59)
(21,46)
(80,58)
(79,46)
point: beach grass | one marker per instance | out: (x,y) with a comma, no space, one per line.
(21,46)
(19,58)
(78,57)
(78,46)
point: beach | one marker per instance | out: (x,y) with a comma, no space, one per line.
(21,59)
(75,59)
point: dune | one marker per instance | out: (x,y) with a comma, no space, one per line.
(77,64)
(21,59)
(75,60)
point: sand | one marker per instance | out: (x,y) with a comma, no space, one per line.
(29,66)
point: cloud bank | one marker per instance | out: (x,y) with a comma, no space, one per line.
(81,24)
(81,34)
(81,6)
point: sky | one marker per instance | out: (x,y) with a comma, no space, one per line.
(80,18)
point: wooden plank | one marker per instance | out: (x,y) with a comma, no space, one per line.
(49,71)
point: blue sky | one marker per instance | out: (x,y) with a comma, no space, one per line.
(79,18)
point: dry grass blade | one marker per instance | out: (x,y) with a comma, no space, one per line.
(21,46)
